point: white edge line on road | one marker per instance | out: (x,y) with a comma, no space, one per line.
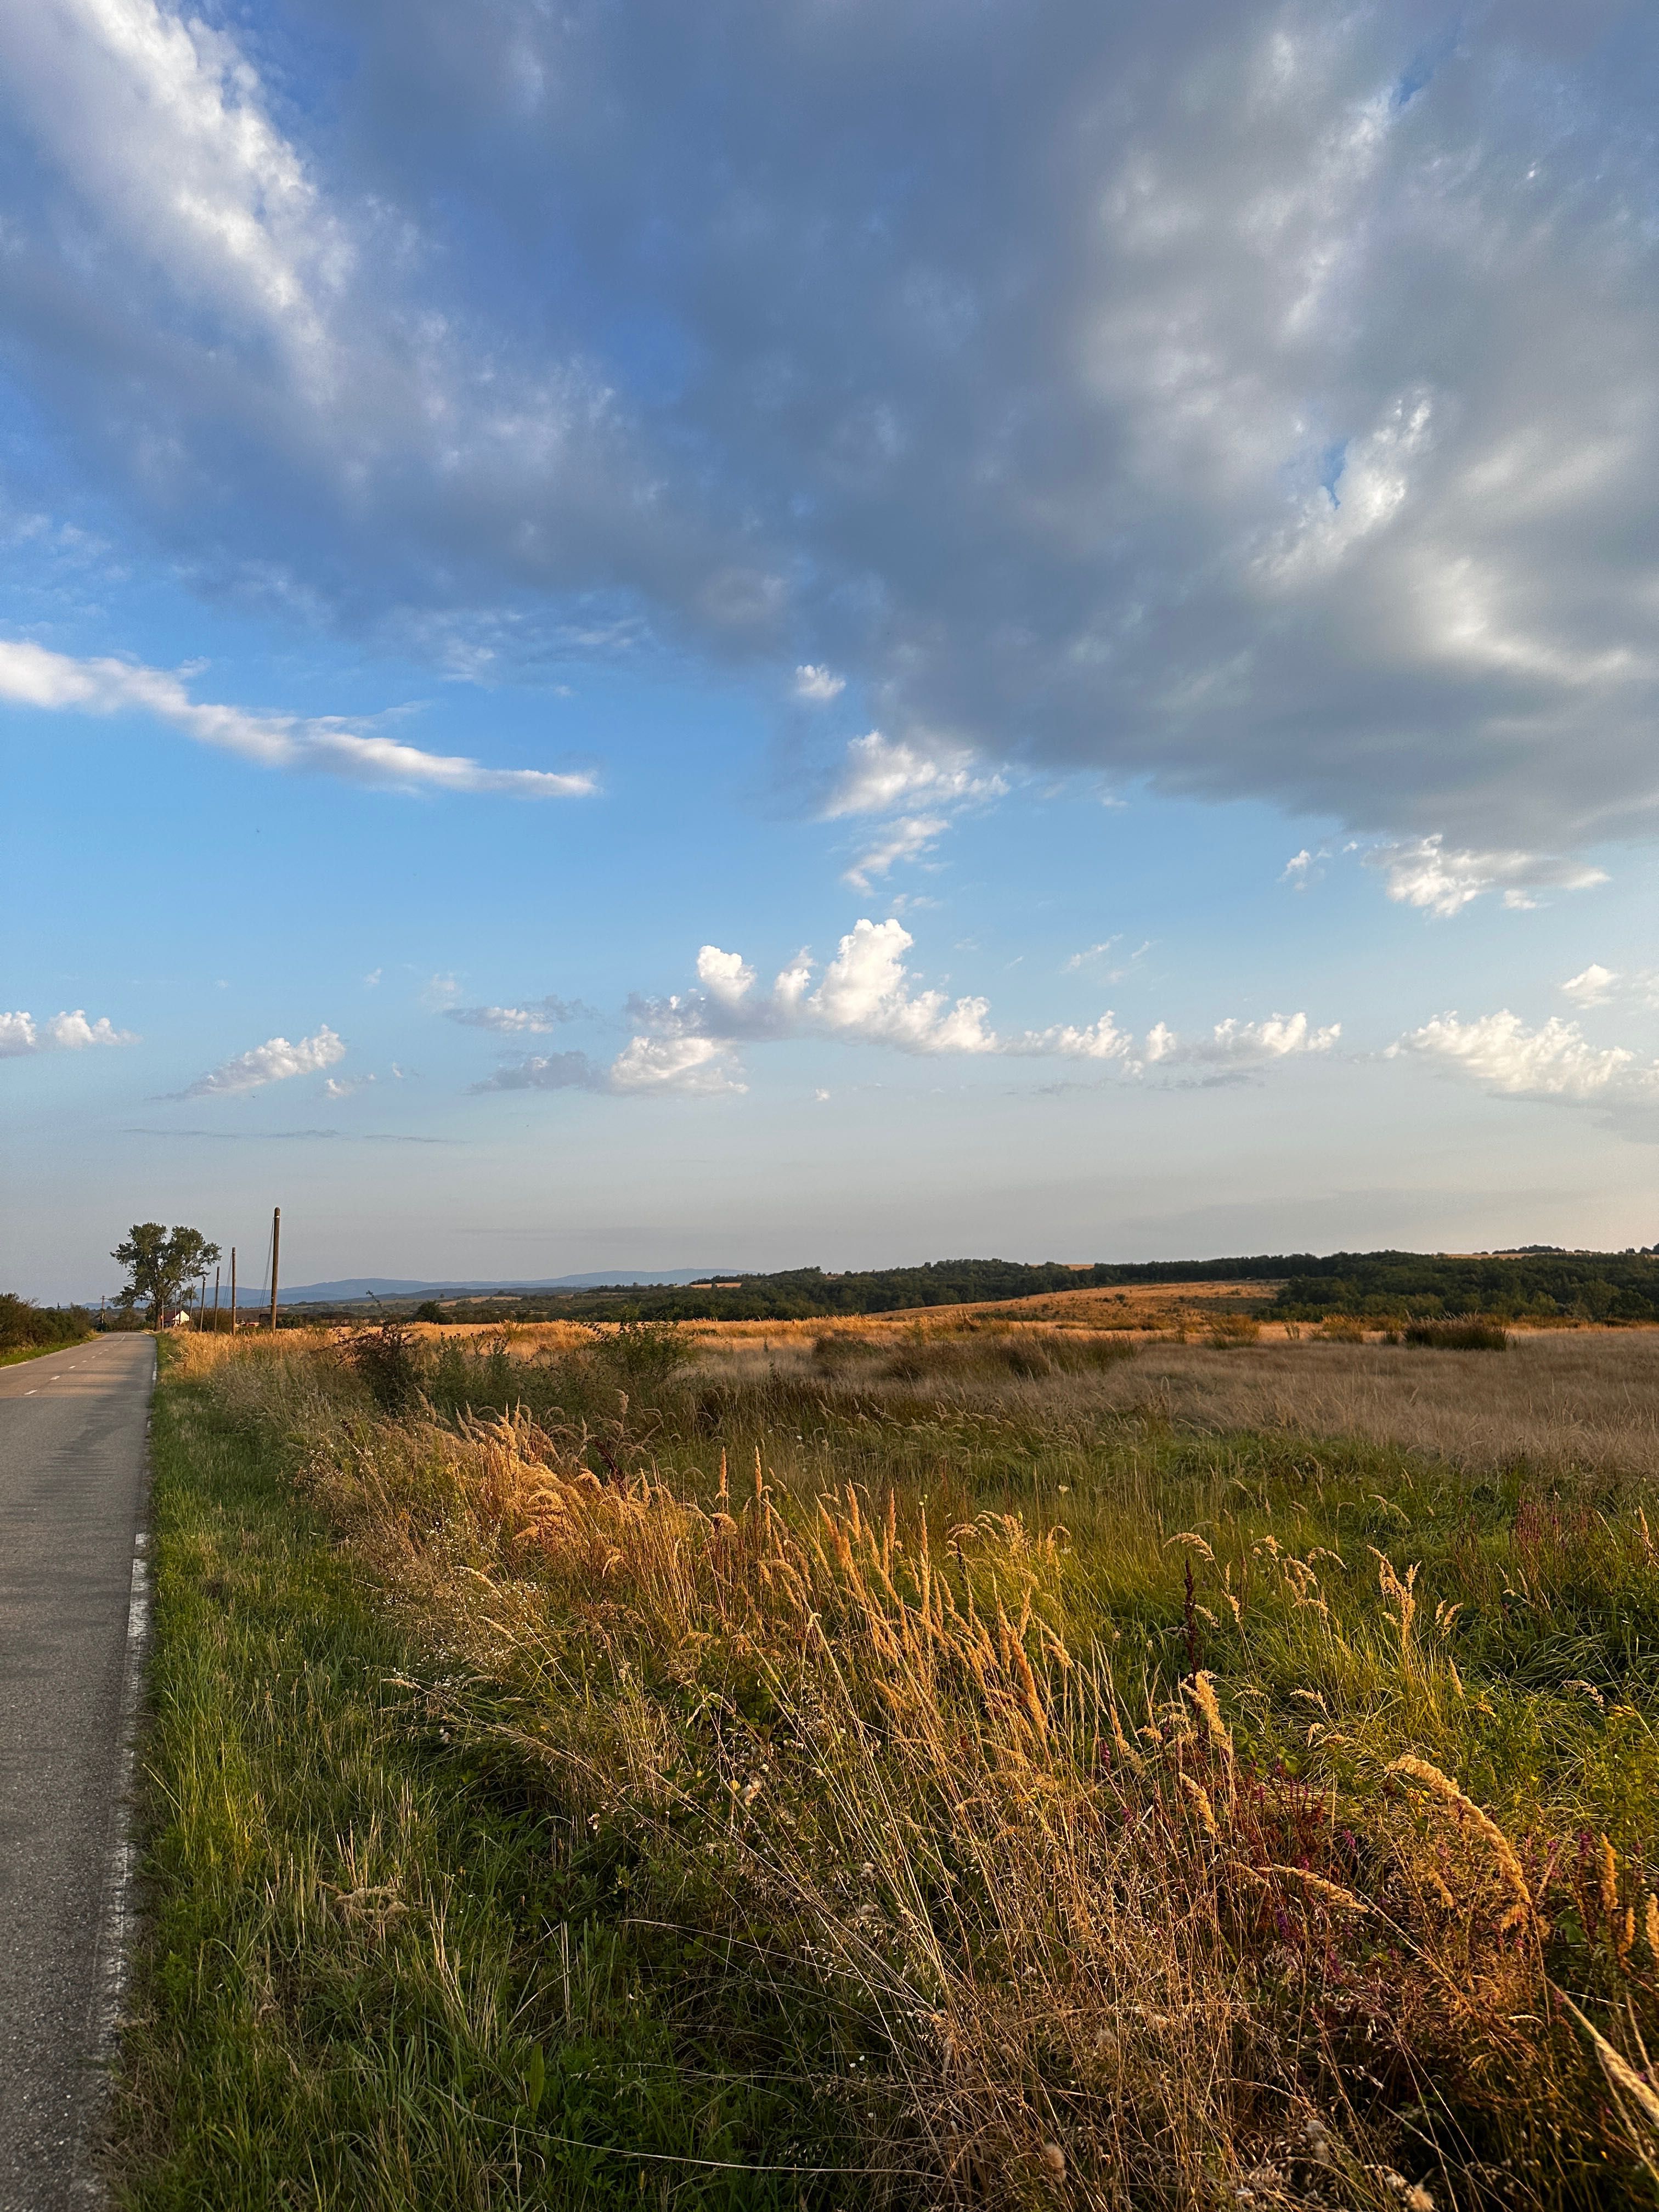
(118,1917)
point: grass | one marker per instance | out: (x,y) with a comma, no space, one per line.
(373,1975)
(971,1773)
(20,1352)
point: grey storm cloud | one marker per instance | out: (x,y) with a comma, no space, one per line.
(1254,397)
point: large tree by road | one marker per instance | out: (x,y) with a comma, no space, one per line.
(159,1262)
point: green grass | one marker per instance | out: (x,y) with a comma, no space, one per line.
(14,1358)
(649,1894)
(373,1975)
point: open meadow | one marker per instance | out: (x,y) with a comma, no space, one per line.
(979,1762)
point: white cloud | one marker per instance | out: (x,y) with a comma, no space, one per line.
(698,1067)
(907,839)
(19,1033)
(1304,868)
(867,995)
(30,676)
(1099,1039)
(1091,953)
(687,1066)
(274,1061)
(1553,1061)
(1240,1044)
(534,1018)
(1424,874)
(1592,986)
(725,975)
(880,774)
(817,684)
(164,120)
(1597,986)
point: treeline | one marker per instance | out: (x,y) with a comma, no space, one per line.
(1599,1286)
(25,1326)
(808,1293)
(1401,1285)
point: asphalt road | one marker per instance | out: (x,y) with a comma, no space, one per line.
(72,1482)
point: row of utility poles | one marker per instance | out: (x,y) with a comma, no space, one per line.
(275,1262)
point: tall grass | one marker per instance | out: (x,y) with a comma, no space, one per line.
(1078,1810)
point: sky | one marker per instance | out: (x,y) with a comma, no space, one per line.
(813,632)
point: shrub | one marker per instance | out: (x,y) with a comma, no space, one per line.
(1458,1335)
(642,1355)
(385,1360)
(428,1309)
(1341,1329)
(23,1324)
(1229,1330)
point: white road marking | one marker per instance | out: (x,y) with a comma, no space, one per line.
(116,1919)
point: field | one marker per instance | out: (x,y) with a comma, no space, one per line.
(991,1763)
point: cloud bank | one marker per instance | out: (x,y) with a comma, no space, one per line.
(1256,397)
(690,1042)
(1554,1062)
(20,1033)
(1425,874)
(30,676)
(274,1061)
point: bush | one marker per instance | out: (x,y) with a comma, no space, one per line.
(1228,1330)
(1457,1336)
(24,1325)
(1341,1329)
(385,1360)
(428,1309)
(642,1355)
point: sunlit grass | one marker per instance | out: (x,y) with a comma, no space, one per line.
(1060,1801)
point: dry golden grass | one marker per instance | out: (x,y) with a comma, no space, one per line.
(1051,1910)
(1556,1398)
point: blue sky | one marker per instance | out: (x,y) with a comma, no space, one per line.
(634,638)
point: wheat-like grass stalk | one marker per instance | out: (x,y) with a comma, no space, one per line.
(1201,1691)
(1332,1892)
(1617,2067)
(1443,1787)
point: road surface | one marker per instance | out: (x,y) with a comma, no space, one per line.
(72,1482)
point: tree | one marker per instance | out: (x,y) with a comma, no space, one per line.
(159,1263)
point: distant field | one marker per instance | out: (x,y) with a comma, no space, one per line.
(982,1762)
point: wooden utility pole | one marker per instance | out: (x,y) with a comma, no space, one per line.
(233,1290)
(216,1302)
(275,1251)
